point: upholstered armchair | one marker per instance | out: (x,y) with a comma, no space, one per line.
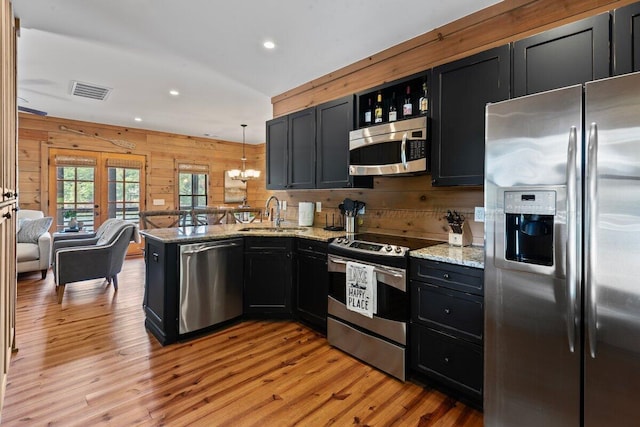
(94,256)
(33,248)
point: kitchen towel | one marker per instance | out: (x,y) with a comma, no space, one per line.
(361,288)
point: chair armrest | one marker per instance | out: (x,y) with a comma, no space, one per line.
(73,236)
(44,249)
(58,244)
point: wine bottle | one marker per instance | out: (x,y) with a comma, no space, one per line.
(424,99)
(393,113)
(378,110)
(367,113)
(407,108)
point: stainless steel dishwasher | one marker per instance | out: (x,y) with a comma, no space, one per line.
(211,276)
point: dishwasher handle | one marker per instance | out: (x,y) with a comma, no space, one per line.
(211,247)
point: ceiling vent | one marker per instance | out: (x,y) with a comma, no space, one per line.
(87,90)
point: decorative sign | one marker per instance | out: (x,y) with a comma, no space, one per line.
(234,189)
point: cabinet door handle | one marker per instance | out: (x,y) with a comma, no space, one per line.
(446,276)
(7,215)
(447,311)
(446,360)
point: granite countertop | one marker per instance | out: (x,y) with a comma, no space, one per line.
(223,231)
(470,256)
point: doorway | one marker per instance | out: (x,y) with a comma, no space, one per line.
(90,187)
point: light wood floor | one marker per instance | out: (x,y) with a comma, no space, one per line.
(91,362)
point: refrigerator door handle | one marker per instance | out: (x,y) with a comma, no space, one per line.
(571,246)
(592,213)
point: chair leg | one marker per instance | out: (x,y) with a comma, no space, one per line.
(44,273)
(60,292)
(115,282)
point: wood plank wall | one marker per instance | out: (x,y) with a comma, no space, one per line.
(162,150)
(395,205)
(411,205)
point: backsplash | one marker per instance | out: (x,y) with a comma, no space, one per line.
(401,206)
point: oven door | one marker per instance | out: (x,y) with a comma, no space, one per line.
(392,311)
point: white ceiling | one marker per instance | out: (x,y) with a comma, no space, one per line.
(209,50)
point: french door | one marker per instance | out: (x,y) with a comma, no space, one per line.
(86,188)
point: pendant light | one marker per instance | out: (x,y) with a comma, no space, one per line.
(244,174)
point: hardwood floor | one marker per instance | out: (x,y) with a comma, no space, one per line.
(90,361)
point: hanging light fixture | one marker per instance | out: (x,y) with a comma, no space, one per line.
(245,174)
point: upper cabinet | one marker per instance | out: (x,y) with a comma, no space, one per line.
(567,55)
(302,149)
(626,39)
(461,90)
(310,148)
(276,151)
(291,151)
(334,121)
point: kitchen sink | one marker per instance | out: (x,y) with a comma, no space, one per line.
(273,229)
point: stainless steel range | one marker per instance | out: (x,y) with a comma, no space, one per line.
(380,340)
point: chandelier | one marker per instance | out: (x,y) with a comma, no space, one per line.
(245,174)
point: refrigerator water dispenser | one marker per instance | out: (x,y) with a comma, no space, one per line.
(529,226)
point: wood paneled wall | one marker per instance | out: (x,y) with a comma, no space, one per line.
(161,150)
(411,205)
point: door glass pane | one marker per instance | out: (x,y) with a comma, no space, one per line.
(192,189)
(75,197)
(124,186)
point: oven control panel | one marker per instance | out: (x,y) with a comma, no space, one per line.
(370,247)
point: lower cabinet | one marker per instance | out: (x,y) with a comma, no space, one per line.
(161,290)
(268,277)
(312,283)
(447,325)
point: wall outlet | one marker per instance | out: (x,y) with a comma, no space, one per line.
(361,211)
(318,206)
(478,214)
(158,202)
(283,205)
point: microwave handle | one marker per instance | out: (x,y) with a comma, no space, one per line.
(403,151)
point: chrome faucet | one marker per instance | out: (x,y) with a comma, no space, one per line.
(278,220)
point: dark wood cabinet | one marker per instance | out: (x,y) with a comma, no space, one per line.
(310,148)
(312,283)
(334,121)
(571,54)
(301,143)
(161,290)
(276,153)
(626,39)
(268,276)
(447,325)
(460,92)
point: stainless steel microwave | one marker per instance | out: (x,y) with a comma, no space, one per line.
(396,148)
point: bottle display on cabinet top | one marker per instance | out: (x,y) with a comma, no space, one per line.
(393,109)
(398,100)
(368,112)
(378,109)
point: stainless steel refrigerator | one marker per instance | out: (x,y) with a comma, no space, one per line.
(562,267)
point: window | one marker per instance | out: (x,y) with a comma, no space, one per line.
(75,190)
(123,183)
(192,187)
(193,190)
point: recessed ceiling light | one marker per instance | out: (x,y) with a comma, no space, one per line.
(269,44)
(137,119)
(174,92)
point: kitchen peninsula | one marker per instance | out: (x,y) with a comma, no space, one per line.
(162,256)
